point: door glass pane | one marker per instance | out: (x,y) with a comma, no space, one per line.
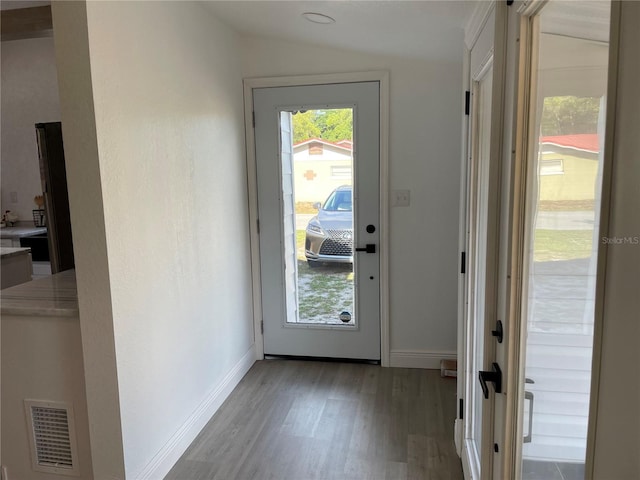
(317,187)
(564,188)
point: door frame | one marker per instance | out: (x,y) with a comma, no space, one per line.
(249,85)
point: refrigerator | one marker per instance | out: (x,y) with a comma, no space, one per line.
(56,197)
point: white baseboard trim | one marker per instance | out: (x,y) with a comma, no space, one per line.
(419,358)
(166,458)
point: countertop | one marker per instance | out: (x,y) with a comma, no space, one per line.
(21,231)
(52,296)
(6,252)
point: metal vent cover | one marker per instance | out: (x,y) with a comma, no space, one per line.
(52,437)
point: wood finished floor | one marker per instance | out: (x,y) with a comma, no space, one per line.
(300,420)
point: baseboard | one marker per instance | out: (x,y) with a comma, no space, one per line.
(166,458)
(419,358)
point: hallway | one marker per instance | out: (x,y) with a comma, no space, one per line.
(301,420)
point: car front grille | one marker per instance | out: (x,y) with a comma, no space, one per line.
(340,243)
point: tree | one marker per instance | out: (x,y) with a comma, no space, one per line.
(304,126)
(336,125)
(330,125)
(570,115)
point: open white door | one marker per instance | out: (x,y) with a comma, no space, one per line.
(477,297)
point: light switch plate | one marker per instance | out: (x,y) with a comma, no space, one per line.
(14,197)
(401,198)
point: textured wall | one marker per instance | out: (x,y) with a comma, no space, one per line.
(167,94)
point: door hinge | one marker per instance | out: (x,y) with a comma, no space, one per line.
(463,262)
(467,102)
(461,409)
(261,326)
(253,119)
(258,225)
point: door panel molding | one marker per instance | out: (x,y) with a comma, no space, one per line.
(352,77)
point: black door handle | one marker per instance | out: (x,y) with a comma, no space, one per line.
(494,376)
(369,248)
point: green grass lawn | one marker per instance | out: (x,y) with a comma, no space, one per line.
(552,245)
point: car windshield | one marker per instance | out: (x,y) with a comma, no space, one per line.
(338,201)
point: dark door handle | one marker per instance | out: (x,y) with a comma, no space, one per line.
(494,376)
(369,248)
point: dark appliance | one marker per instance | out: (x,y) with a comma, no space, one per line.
(39,245)
(56,197)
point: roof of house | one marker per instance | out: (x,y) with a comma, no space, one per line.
(586,142)
(344,144)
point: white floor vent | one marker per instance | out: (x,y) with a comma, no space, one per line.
(52,437)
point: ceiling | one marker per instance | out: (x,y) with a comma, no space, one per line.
(425,29)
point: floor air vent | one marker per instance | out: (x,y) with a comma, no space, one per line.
(52,437)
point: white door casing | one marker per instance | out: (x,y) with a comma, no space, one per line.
(249,85)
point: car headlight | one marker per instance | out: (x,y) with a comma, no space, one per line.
(313,228)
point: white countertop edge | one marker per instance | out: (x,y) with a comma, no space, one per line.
(51,296)
(6,252)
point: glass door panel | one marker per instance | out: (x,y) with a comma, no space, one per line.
(563,204)
(317,184)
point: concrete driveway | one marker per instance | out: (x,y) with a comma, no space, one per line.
(578,220)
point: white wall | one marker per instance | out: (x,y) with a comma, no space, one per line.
(424,158)
(29,89)
(167,93)
(617,419)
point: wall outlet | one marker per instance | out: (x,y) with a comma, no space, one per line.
(14,197)
(401,198)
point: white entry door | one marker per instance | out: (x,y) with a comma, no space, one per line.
(317,156)
(475,433)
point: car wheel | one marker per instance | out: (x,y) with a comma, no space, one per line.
(313,264)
